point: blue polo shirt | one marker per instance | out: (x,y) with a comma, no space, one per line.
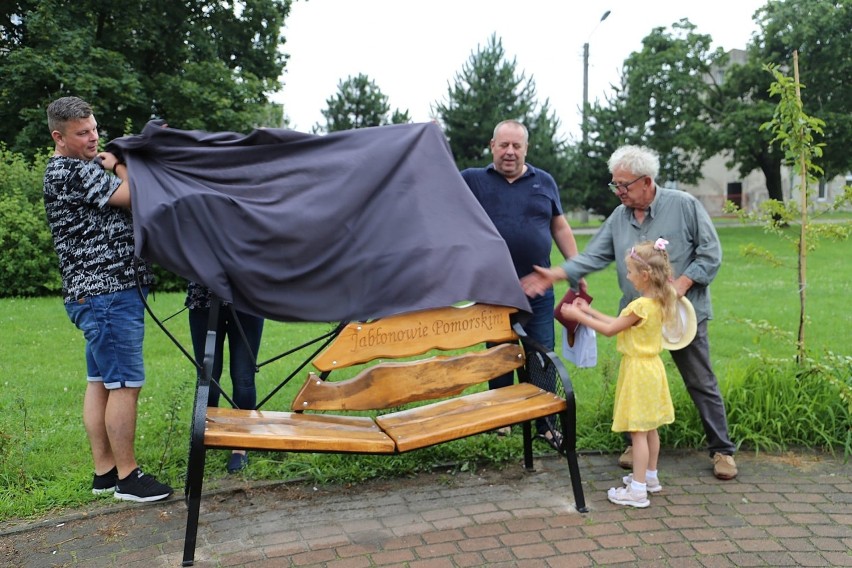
(521,211)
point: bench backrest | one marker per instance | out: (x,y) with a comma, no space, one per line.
(390,384)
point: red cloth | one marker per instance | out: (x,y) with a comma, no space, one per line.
(568,298)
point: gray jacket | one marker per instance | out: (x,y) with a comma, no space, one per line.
(694,248)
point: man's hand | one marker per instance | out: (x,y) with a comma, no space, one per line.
(682,284)
(108,160)
(536,283)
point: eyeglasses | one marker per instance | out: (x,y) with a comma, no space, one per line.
(616,187)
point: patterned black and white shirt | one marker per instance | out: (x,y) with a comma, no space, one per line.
(198,296)
(94,241)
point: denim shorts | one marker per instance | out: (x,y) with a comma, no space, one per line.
(114,328)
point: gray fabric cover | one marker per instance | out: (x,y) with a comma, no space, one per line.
(289,226)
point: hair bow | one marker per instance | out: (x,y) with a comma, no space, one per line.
(660,244)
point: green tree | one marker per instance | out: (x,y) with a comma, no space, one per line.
(359,103)
(207,65)
(796,133)
(487,90)
(664,100)
(744,103)
(589,174)
(689,102)
(400,117)
(821,32)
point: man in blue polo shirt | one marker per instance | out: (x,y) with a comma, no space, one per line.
(523,203)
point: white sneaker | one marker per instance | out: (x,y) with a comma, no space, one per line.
(626,496)
(653,485)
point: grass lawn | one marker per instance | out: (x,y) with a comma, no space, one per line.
(45,462)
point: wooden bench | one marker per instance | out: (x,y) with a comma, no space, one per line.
(413,404)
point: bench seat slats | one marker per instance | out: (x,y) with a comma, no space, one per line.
(472,414)
(392,384)
(404,431)
(288,431)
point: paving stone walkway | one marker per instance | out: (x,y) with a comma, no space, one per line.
(783,510)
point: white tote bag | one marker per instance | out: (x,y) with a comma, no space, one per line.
(584,351)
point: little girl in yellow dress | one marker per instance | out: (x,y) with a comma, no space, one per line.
(642,399)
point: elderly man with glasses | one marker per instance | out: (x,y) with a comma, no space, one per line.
(649,212)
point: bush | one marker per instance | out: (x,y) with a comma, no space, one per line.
(28,263)
(778,404)
(165,281)
(20,177)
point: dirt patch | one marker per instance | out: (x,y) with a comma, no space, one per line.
(803,461)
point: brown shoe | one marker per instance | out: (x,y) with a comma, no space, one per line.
(626,459)
(724,466)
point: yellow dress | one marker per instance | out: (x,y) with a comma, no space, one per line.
(642,398)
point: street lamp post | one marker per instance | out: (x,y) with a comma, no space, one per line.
(585,125)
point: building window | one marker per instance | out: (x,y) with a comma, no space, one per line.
(735,193)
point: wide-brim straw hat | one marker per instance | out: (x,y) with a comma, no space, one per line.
(682,333)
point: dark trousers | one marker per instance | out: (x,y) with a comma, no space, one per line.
(242,353)
(693,362)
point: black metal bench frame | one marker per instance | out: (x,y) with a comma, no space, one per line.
(541,367)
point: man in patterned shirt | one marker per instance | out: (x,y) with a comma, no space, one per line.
(88,210)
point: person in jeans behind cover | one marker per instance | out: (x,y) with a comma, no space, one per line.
(88,210)
(648,212)
(242,353)
(523,203)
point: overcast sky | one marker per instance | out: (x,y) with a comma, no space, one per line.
(414,49)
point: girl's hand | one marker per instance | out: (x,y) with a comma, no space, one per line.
(580,303)
(570,311)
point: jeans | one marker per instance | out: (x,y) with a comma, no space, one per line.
(242,354)
(114,328)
